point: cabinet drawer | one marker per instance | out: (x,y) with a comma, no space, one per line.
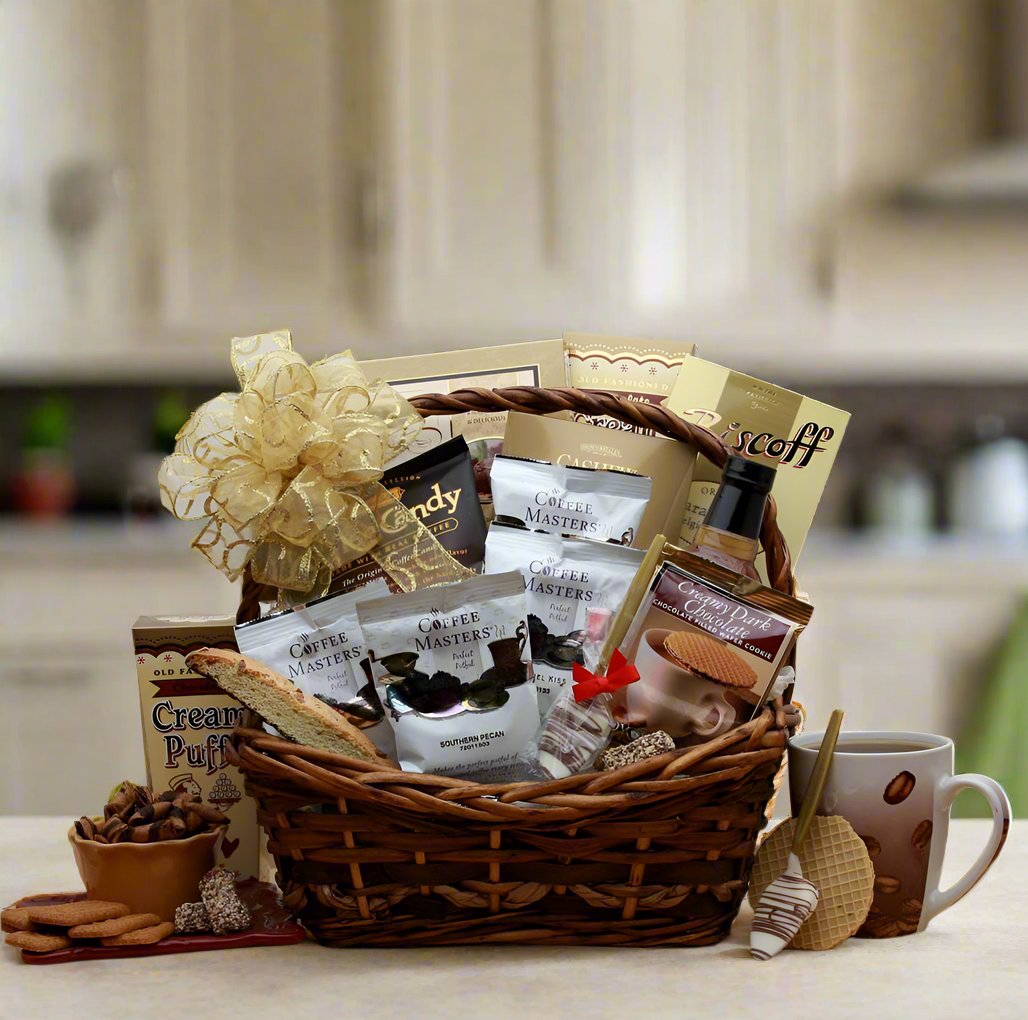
(69,731)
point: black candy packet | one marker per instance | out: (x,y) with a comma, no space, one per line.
(438,487)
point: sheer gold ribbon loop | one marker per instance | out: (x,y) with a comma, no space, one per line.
(286,474)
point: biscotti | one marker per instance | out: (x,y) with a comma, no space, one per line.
(299,716)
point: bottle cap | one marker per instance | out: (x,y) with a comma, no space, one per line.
(751,473)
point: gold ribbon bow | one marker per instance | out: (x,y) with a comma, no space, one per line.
(287,474)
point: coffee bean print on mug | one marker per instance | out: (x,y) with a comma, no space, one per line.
(886,884)
(900,787)
(909,916)
(921,837)
(879,926)
(874,848)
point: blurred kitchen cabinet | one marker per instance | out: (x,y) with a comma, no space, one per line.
(591,163)
(500,164)
(439,171)
(244,106)
(69,729)
(69,723)
(902,645)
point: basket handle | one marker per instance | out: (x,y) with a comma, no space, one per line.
(593,403)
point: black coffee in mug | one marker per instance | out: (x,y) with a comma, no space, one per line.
(897,746)
(896,790)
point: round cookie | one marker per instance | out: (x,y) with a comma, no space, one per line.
(37,942)
(67,915)
(15,919)
(709,658)
(141,936)
(113,926)
(836,860)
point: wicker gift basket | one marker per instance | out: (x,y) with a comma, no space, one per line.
(656,853)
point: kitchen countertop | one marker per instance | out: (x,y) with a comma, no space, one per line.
(972,961)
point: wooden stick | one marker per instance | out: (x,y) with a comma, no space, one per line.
(634,595)
(817,780)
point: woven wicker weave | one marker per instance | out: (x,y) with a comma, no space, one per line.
(656,853)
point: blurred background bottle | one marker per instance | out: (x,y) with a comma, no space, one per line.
(900,495)
(988,485)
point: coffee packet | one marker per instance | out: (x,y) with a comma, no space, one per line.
(572,588)
(320,648)
(709,645)
(453,669)
(606,506)
(439,488)
(667,463)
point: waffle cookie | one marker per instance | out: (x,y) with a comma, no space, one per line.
(707,657)
(835,859)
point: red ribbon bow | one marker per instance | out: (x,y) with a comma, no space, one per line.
(620,673)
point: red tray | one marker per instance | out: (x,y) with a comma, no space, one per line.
(273,925)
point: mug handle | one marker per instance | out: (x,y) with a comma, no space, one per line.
(937,900)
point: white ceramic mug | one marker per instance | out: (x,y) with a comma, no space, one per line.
(896,790)
(671,698)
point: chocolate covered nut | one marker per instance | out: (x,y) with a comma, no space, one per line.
(226,910)
(37,942)
(192,917)
(921,837)
(647,746)
(85,828)
(886,884)
(900,787)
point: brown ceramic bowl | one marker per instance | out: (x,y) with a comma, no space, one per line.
(152,878)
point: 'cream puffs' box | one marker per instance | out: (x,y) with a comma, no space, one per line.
(187,719)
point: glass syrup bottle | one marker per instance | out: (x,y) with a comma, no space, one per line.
(729,535)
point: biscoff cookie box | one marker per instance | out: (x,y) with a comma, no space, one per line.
(187,720)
